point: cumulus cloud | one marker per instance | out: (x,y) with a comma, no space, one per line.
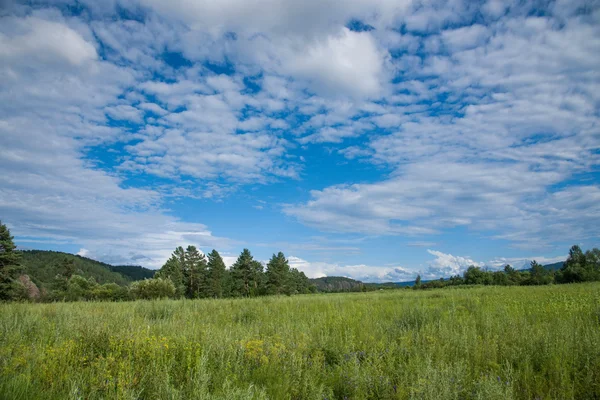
(445,265)
(497,147)
(362,272)
(345,63)
(491,125)
(34,39)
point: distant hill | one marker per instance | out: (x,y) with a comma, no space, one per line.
(555,266)
(42,266)
(133,272)
(337,284)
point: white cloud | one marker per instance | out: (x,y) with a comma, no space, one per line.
(465,38)
(125,112)
(344,63)
(35,39)
(361,272)
(83,252)
(445,265)
(485,127)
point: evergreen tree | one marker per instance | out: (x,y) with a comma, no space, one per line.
(278,275)
(418,281)
(538,275)
(10,266)
(299,282)
(246,275)
(173,270)
(194,273)
(216,275)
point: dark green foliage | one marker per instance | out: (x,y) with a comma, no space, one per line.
(43,266)
(418,282)
(156,288)
(195,277)
(279,279)
(173,270)
(133,272)
(538,275)
(336,284)
(580,267)
(218,282)
(247,276)
(299,283)
(10,266)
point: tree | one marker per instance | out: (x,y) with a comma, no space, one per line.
(216,275)
(476,276)
(573,270)
(278,275)
(10,266)
(246,275)
(173,270)
(299,283)
(194,273)
(538,275)
(418,281)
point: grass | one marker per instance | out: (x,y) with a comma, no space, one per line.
(466,343)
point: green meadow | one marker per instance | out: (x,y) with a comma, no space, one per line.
(455,343)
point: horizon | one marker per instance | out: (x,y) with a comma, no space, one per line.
(374,140)
(265,262)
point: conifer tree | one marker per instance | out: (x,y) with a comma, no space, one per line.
(216,275)
(194,273)
(246,275)
(278,277)
(10,266)
(173,270)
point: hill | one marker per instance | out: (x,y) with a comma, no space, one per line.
(42,266)
(555,266)
(332,284)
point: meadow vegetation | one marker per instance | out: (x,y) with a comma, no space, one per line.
(464,342)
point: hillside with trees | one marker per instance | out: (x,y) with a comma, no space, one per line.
(43,266)
(337,284)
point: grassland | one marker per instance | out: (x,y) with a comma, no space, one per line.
(467,343)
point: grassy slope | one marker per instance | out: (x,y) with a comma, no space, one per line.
(41,266)
(484,343)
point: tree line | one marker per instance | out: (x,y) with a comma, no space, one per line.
(187,273)
(579,267)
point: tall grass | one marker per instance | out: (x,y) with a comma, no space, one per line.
(477,343)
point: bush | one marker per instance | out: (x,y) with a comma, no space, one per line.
(153,289)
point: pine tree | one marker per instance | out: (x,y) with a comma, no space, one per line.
(246,275)
(194,273)
(9,265)
(216,275)
(299,282)
(278,275)
(173,270)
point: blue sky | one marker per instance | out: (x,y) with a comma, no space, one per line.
(373,139)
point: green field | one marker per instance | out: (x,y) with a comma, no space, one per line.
(466,343)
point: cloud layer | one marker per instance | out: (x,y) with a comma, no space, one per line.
(478,115)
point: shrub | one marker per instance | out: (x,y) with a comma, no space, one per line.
(153,289)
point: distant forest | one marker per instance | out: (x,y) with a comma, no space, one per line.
(37,275)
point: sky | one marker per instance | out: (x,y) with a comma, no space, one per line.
(373,139)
